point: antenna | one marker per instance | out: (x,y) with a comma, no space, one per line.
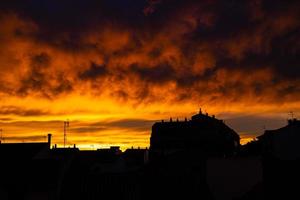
(66,125)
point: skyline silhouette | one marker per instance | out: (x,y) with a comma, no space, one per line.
(197,158)
(130,125)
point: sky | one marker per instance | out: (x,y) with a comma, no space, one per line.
(114,67)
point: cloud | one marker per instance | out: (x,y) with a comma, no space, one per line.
(5,119)
(158,74)
(95,71)
(134,125)
(26,138)
(89,129)
(249,125)
(188,43)
(13,110)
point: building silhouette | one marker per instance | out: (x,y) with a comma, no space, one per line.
(203,133)
(199,158)
(279,151)
(282,143)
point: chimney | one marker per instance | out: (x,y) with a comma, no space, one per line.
(49,140)
(171,119)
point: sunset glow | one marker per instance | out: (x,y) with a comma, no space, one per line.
(119,69)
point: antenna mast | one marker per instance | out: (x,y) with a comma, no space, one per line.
(66,125)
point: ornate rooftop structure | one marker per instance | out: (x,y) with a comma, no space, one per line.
(203,133)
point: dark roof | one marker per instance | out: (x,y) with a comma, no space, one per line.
(21,150)
(293,123)
(198,122)
(136,150)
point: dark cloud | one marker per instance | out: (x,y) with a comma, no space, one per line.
(254,125)
(74,18)
(13,110)
(5,119)
(157,74)
(95,71)
(40,60)
(36,78)
(26,138)
(123,124)
(88,129)
(205,47)
(40,78)
(102,127)
(132,124)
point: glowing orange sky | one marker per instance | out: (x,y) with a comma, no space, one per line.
(113,76)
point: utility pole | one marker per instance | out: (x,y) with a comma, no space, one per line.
(66,125)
